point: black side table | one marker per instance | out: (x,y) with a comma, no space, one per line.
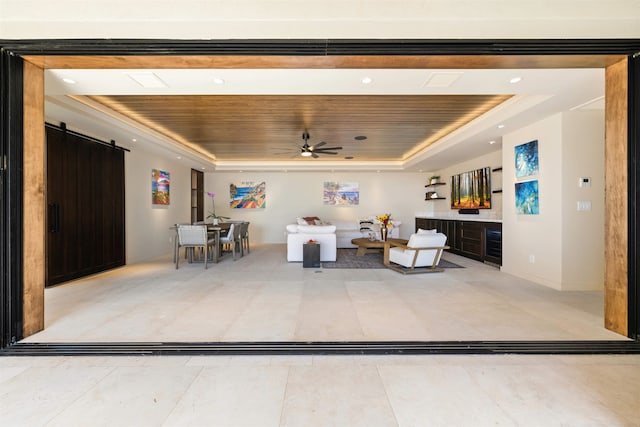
(311,255)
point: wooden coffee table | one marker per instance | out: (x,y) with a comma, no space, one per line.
(366,246)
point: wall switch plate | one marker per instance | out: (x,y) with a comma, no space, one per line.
(584,205)
(584,182)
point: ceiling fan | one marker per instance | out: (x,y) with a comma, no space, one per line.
(314,150)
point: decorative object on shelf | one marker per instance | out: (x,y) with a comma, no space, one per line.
(212,214)
(527,198)
(471,190)
(526,158)
(160,187)
(248,195)
(434,180)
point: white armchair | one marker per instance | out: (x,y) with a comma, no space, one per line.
(421,254)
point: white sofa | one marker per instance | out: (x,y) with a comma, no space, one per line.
(354,229)
(331,235)
(297,235)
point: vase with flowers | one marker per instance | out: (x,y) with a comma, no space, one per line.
(385,225)
(216,218)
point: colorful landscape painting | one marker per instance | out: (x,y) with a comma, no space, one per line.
(471,190)
(527,198)
(341,193)
(160,187)
(526,156)
(248,195)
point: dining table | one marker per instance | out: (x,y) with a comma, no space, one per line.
(217,231)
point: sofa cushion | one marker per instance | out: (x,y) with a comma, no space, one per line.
(317,229)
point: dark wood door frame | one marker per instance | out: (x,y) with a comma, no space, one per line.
(12,132)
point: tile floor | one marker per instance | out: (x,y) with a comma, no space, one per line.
(309,391)
(260,297)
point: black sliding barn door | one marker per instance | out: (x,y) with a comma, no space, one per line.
(85,206)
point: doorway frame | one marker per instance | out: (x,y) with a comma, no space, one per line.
(19,67)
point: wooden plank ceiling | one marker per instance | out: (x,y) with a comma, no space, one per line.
(270,127)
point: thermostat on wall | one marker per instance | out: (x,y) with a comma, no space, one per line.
(584,181)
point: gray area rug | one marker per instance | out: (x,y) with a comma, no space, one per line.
(347,259)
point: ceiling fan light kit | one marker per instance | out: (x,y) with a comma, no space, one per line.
(314,150)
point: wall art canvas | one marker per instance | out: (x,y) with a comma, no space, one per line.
(341,193)
(526,156)
(160,181)
(248,195)
(471,190)
(527,198)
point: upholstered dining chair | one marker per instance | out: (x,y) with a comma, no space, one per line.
(244,237)
(232,239)
(191,237)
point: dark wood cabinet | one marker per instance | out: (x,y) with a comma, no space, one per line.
(85,206)
(478,240)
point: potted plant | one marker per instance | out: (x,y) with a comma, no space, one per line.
(212,214)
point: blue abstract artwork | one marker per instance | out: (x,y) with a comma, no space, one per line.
(527,198)
(526,156)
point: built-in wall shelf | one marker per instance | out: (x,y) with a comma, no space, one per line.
(497,191)
(429,194)
(498,169)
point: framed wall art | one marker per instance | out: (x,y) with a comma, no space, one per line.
(248,195)
(526,158)
(341,193)
(160,182)
(527,198)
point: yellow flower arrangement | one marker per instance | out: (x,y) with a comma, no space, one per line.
(385,219)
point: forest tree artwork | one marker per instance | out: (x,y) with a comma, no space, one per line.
(471,190)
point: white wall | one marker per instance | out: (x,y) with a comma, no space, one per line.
(583,232)
(561,247)
(442,208)
(147,225)
(294,194)
(321,19)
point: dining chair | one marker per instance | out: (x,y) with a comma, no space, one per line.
(232,239)
(191,237)
(244,237)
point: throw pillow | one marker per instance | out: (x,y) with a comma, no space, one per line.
(311,220)
(421,231)
(301,221)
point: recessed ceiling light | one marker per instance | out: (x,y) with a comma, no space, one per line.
(203,168)
(239,171)
(492,142)
(68,80)
(348,158)
(500,126)
(366,80)
(515,80)
(218,81)
(134,140)
(179,157)
(360,138)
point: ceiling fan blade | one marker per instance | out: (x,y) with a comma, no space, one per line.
(314,155)
(328,148)
(319,144)
(327,152)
